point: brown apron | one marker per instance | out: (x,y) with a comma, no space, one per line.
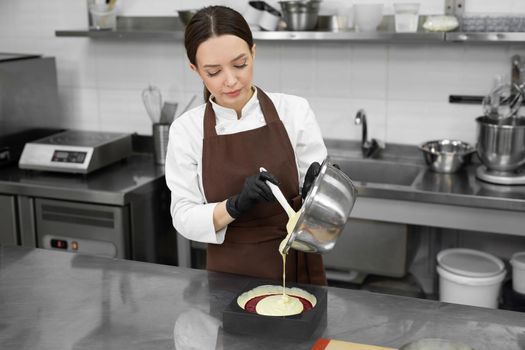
(251,244)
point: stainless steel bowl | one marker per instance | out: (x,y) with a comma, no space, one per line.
(501,146)
(300,15)
(325,211)
(446,156)
(186,15)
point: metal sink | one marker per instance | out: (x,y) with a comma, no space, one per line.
(378,171)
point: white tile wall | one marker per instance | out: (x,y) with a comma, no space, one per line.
(404,88)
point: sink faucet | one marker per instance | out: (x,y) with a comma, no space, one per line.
(370,148)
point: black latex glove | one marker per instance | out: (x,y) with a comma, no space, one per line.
(309,178)
(254,190)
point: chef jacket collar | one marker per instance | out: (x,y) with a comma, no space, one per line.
(229,113)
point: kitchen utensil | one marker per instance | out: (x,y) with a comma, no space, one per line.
(292,214)
(300,15)
(260,15)
(501,147)
(434,344)
(160,142)
(298,327)
(324,213)
(186,15)
(168,112)
(503,101)
(332,23)
(446,156)
(152,98)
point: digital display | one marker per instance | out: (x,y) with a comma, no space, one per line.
(59,244)
(69,157)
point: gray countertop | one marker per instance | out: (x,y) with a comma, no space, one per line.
(110,185)
(58,300)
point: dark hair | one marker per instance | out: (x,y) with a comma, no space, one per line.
(214,21)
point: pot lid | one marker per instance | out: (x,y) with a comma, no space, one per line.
(518,260)
(469,262)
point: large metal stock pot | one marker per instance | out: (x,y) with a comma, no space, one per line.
(501,147)
(325,211)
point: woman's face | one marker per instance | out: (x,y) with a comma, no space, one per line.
(225,65)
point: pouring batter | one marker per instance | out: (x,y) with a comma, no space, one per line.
(215,150)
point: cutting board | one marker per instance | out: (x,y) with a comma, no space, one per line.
(332,344)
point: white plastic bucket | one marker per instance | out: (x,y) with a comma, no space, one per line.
(469,277)
(518,272)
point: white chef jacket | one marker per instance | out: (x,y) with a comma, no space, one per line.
(192,215)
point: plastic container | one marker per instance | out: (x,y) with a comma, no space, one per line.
(103,15)
(518,272)
(406,17)
(469,277)
(368,16)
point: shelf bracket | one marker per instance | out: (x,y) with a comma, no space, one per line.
(455,8)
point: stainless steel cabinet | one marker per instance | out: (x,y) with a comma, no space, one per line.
(8,223)
(81,227)
(375,247)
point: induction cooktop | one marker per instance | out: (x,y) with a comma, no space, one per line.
(75,151)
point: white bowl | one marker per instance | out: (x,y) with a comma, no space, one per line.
(368,16)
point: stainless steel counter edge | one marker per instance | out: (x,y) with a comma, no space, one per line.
(113,185)
(459,189)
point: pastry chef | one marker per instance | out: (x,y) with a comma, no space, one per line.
(218,195)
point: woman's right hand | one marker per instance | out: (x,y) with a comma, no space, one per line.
(254,190)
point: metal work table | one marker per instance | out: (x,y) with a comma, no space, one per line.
(457,201)
(111,185)
(56,300)
(461,188)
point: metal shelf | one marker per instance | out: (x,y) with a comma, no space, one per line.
(170,28)
(267,36)
(485,37)
(122,34)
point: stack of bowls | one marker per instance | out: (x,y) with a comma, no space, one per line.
(300,15)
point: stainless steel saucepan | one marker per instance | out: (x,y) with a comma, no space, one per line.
(325,211)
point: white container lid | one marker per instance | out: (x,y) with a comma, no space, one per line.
(518,260)
(470,263)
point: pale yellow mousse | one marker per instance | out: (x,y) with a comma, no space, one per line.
(279,305)
(276,305)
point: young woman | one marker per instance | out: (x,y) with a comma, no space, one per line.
(215,151)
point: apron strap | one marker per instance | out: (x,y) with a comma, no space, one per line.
(267,107)
(209,121)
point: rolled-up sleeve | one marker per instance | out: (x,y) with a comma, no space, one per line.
(192,216)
